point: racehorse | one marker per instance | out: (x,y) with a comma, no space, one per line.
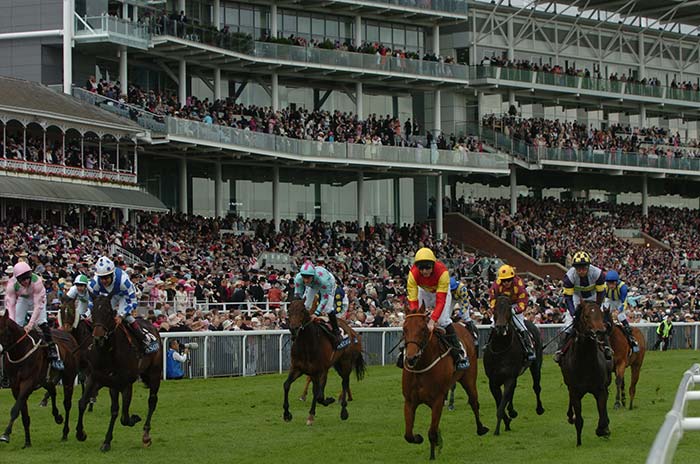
(585,369)
(28,368)
(313,354)
(429,372)
(115,361)
(505,361)
(625,357)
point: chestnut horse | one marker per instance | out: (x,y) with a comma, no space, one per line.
(429,372)
(505,361)
(314,354)
(27,367)
(585,369)
(623,358)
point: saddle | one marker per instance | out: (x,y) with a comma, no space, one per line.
(327,329)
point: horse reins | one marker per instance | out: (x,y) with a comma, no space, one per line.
(35,347)
(420,351)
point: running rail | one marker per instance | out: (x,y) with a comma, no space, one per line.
(676,423)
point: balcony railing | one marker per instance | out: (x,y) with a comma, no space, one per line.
(450,6)
(67,172)
(112,29)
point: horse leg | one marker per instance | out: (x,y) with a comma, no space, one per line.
(344,393)
(633,382)
(434,431)
(508,394)
(67,405)
(128,420)
(21,392)
(575,401)
(45,400)
(293,375)
(317,393)
(153,387)
(498,397)
(451,402)
(114,411)
(536,372)
(90,385)
(469,386)
(409,415)
(619,385)
(25,422)
(51,391)
(306,389)
(603,422)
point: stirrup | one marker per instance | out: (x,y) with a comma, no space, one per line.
(150,347)
(57,364)
(462,364)
(531,356)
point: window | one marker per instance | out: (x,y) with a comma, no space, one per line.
(317,26)
(385,35)
(304,25)
(331,28)
(371,32)
(399,38)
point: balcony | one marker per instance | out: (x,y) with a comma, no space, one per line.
(95,29)
(17,167)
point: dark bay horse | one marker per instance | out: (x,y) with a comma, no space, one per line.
(27,366)
(314,354)
(428,374)
(623,358)
(115,361)
(585,369)
(505,361)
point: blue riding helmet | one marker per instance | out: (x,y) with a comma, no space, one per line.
(612,276)
(453,284)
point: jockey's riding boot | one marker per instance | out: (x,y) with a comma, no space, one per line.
(475,333)
(568,335)
(148,346)
(461,361)
(399,360)
(52,349)
(630,337)
(526,341)
(336,331)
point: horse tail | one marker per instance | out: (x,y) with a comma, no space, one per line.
(360,366)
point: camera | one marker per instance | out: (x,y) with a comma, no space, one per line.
(191,345)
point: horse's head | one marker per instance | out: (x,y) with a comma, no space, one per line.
(297,317)
(590,319)
(502,315)
(415,336)
(102,320)
(67,311)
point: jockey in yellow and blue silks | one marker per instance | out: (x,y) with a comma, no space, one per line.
(317,280)
(616,298)
(460,294)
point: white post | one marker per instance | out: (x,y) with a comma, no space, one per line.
(217,189)
(358,31)
(436,39)
(217,84)
(182,85)
(276,197)
(275,92)
(437,117)
(642,115)
(511,40)
(217,14)
(125,215)
(359,96)
(511,98)
(183,185)
(68,7)
(99,155)
(125,11)
(513,191)
(181,5)
(135,13)
(645,196)
(642,57)
(273,20)
(438,207)
(123,69)
(360,199)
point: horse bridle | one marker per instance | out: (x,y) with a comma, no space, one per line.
(295,331)
(422,346)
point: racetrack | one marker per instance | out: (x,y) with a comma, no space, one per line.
(240,420)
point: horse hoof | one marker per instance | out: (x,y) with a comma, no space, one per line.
(571,420)
(310,421)
(497,432)
(617,405)
(302,398)
(58,419)
(43,403)
(27,445)
(287,416)
(344,414)
(482,430)
(105,447)
(604,432)
(451,407)
(147,442)
(513,414)
(418,439)
(134,419)
(5,438)
(539,410)
(81,436)
(64,438)
(330,400)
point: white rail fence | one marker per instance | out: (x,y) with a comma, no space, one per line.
(677,422)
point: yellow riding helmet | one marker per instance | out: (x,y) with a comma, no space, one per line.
(506,272)
(581,258)
(425,254)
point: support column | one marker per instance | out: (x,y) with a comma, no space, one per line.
(275,92)
(273,21)
(182,85)
(438,207)
(43,213)
(125,215)
(360,199)
(642,115)
(125,11)
(217,15)
(81,219)
(276,198)
(62,215)
(183,185)
(641,52)
(437,114)
(436,39)
(511,99)
(181,6)
(68,8)
(123,69)
(135,13)
(645,196)
(453,196)
(513,191)
(359,97)
(397,201)
(217,84)
(218,183)
(358,31)
(3,210)
(481,102)
(511,40)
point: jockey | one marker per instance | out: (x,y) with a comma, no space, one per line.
(616,298)
(428,283)
(512,286)
(112,282)
(79,293)
(460,293)
(582,282)
(25,292)
(312,281)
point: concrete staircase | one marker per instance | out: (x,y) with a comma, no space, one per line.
(463,230)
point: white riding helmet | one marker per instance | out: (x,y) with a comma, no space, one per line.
(104,267)
(82,279)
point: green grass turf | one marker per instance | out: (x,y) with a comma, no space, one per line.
(240,420)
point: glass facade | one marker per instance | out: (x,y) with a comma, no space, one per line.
(315,26)
(246,18)
(394,36)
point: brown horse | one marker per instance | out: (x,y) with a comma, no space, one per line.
(429,372)
(585,369)
(115,361)
(27,367)
(625,357)
(313,354)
